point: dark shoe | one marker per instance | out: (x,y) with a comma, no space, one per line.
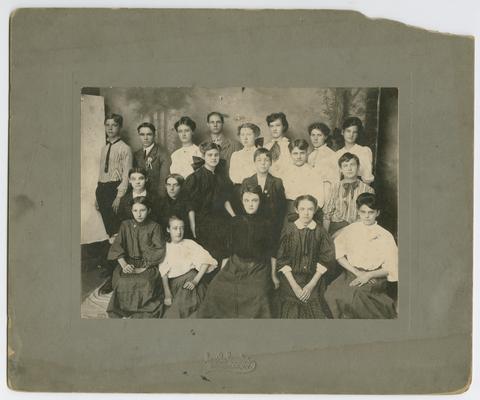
(106,288)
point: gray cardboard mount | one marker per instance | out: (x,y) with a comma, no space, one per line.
(55,52)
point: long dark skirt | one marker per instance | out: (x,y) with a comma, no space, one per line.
(136,295)
(239,290)
(185,302)
(290,307)
(369,301)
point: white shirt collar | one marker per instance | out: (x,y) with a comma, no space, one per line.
(149,148)
(312,225)
(143,194)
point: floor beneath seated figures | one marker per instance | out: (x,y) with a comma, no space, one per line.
(93,304)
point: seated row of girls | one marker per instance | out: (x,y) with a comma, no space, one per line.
(366,251)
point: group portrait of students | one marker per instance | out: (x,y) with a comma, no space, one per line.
(242,228)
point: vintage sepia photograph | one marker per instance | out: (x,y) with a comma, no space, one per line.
(239,202)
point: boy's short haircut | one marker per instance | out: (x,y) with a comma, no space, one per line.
(215,113)
(147,125)
(305,197)
(302,144)
(185,121)
(321,127)
(260,151)
(138,170)
(142,200)
(209,146)
(116,117)
(281,116)
(369,200)
(179,178)
(347,157)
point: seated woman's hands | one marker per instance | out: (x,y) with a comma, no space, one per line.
(361,279)
(128,269)
(167,301)
(190,285)
(306,292)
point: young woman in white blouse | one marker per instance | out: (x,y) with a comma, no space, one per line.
(242,163)
(182,159)
(352,127)
(369,257)
(182,270)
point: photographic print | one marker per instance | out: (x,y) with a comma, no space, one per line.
(239,202)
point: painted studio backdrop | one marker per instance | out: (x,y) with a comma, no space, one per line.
(377,108)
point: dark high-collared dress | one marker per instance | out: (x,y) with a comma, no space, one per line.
(207,193)
(137,295)
(241,288)
(301,250)
(273,203)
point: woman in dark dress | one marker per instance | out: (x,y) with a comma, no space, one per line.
(138,248)
(175,202)
(305,255)
(208,190)
(241,288)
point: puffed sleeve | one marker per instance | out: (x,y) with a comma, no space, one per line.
(367,175)
(285,249)
(201,256)
(118,248)
(326,250)
(154,252)
(329,208)
(165,266)
(126,166)
(341,244)
(391,259)
(189,190)
(235,171)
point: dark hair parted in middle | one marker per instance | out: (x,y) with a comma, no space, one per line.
(369,200)
(255,189)
(185,121)
(179,178)
(142,200)
(347,157)
(137,170)
(147,125)
(255,129)
(302,144)
(305,197)
(281,116)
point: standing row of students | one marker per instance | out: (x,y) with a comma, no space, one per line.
(263,220)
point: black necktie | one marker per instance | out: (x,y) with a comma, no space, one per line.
(145,155)
(107,159)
